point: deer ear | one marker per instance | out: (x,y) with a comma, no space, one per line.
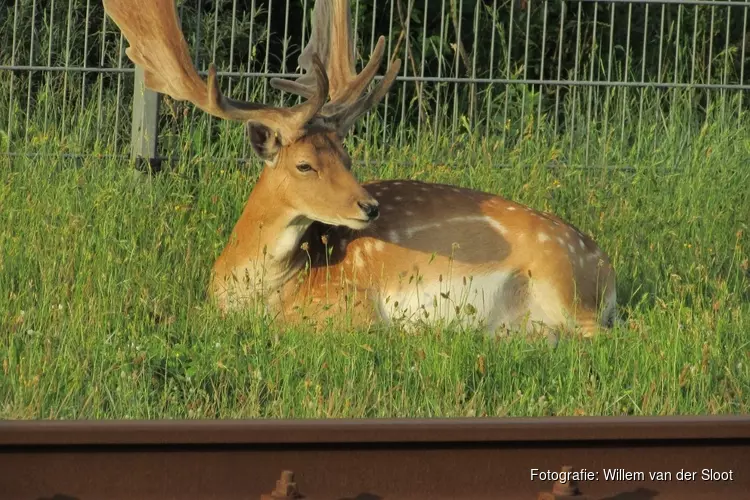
(265,142)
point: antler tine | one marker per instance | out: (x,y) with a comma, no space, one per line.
(332,39)
(345,118)
(317,44)
(158,45)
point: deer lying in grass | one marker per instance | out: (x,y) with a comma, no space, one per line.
(314,243)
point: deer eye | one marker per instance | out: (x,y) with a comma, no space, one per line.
(304,167)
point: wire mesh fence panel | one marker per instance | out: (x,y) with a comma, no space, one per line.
(599,80)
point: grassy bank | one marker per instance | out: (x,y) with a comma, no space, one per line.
(103,274)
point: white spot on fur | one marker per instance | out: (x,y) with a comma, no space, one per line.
(542,237)
(397,183)
(581,244)
(510,208)
(419,198)
(560,241)
(398,198)
(388,208)
(358,261)
(379,246)
(393,236)
(580,261)
(480,218)
(571,248)
(498,227)
(409,213)
(368,247)
(424,189)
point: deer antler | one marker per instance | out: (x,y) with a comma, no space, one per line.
(332,40)
(157,43)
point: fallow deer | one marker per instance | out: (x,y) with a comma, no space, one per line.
(312,242)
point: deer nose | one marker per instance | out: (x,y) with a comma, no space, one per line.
(370,209)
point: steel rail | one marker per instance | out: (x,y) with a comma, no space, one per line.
(426,79)
(375,459)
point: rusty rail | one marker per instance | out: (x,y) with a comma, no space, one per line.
(462,459)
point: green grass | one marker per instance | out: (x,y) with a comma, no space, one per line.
(103,275)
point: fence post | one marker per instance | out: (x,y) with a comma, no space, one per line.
(145,130)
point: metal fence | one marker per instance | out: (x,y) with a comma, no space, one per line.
(575,71)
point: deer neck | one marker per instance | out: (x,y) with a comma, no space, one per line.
(264,248)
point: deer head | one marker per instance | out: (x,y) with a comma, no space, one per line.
(302,145)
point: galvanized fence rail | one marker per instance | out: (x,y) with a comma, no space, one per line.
(575,71)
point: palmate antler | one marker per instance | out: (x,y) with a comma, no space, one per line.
(157,44)
(332,41)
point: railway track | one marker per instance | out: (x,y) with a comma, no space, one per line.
(464,459)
